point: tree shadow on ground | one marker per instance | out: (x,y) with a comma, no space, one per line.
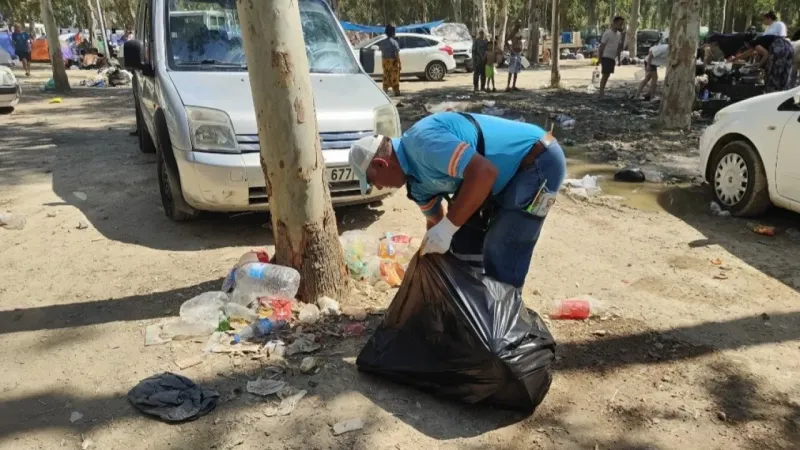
(96,157)
(443,420)
(774,256)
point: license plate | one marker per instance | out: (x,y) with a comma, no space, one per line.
(340,174)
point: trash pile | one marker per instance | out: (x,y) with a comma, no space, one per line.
(380,262)
(109,76)
(583,187)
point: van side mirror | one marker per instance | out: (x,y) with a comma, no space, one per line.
(367,58)
(133,52)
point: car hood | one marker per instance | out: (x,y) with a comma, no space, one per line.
(343,102)
(752,104)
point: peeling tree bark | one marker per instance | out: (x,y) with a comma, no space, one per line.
(684,34)
(555,34)
(534,36)
(633,27)
(54,48)
(456,11)
(304,225)
(484,24)
(91,24)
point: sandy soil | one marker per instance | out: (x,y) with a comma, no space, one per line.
(687,360)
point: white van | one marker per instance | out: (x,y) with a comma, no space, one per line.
(195,111)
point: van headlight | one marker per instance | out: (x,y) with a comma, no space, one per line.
(387,121)
(211,130)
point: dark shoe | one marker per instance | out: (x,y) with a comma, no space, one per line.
(494,89)
(508,89)
(515,89)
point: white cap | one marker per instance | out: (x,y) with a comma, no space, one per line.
(361,153)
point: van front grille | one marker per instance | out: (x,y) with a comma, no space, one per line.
(248,143)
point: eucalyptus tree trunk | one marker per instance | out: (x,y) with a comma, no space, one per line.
(679,95)
(555,75)
(633,27)
(54,47)
(291,156)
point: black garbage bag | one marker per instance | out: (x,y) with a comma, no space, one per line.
(462,336)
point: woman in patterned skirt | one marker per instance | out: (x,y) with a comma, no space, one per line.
(776,54)
(390,52)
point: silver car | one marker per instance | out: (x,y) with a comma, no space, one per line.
(195,111)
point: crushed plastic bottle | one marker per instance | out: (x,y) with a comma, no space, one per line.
(204,309)
(596,77)
(11,221)
(565,122)
(576,308)
(256,280)
(257,329)
(237,311)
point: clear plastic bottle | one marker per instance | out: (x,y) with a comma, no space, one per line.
(257,329)
(256,280)
(596,77)
(576,308)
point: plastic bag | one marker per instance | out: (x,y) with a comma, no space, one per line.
(462,336)
(204,309)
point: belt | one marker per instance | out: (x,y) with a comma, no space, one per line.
(536,149)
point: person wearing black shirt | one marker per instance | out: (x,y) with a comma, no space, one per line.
(776,54)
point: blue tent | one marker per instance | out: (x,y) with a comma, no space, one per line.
(413,28)
(5,43)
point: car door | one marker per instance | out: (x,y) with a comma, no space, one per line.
(146,82)
(788,166)
(413,56)
(378,66)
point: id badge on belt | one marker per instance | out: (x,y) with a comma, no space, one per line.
(542,202)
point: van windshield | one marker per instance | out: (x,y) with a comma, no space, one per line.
(206,35)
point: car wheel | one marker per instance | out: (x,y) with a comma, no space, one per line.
(146,144)
(168,188)
(435,71)
(739,182)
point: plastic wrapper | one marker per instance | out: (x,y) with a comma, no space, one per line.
(462,336)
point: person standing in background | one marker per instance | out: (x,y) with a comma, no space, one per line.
(390,53)
(514,63)
(609,50)
(490,59)
(479,47)
(22,47)
(657,56)
(774,26)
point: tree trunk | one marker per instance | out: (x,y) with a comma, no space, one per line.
(505,23)
(484,24)
(612,11)
(555,76)
(534,37)
(591,7)
(456,11)
(424,11)
(633,26)
(90,23)
(291,156)
(493,9)
(54,47)
(32,24)
(684,34)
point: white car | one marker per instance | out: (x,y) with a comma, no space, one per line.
(421,55)
(9,90)
(750,154)
(457,36)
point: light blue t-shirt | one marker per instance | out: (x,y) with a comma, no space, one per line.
(436,150)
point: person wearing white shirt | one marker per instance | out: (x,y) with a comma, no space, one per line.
(657,56)
(774,26)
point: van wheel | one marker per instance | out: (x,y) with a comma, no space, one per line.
(739,182)
(435,71)
(146,144)
(167,186)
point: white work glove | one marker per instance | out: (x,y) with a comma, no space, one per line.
(438,238)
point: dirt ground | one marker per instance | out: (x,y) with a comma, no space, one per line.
(695,354)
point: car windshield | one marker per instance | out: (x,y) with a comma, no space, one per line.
(452,32)
(206,35)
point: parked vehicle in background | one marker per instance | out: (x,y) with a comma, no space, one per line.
(9,88)
(194,107)
(749,154)
(646,39)
(421,55)
(457,36)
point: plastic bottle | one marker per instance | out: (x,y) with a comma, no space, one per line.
(256,280)
(12,221)
(237,311)
(596,77)
(576,308)
(204,309)
(257,329)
